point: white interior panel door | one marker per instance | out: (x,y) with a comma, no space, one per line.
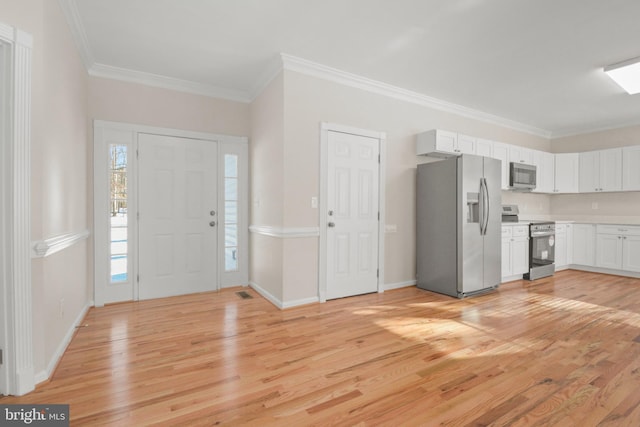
(352,217)
(178,216)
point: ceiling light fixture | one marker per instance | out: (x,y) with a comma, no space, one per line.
(626,74)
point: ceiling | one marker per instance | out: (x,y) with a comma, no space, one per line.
(537,63)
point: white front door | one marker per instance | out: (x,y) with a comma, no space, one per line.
(178,215)
(352,214)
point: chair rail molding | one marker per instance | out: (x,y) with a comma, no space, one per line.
(44,248)
(285,232)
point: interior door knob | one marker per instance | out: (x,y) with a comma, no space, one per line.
(331,224)
(212,224)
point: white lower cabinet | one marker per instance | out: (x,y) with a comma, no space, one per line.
(564,245)
(561,246)
(609,251)
(515,250)
(631,254)
(618,247)
(584,241)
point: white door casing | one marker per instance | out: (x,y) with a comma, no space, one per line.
(17,374)
(178,222)
(108,133)
(351,212)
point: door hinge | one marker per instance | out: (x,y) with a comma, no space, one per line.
(137,154)
(378,273)
(378,158)
(0,356)
(138,216)
(378,216)
(138,278)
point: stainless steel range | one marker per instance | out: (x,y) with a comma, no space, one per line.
(542,244)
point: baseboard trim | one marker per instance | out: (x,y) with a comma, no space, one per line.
(299,302)
(62,347)
(623,273)
(511,278)
(266,294)
(313,300)
(399,285)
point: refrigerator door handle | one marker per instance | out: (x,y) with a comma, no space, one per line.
(485,206)
(481,202)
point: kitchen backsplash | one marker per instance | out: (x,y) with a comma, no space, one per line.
(599,204)
(602,207)
(530,204)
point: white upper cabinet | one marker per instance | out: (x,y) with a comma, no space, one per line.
(616,169)
(545,163)
(466,145)
(442,143)
(589,174)
(567,166)
(519,154)
(501,152)
(601,170)
(484,147)
(631,168)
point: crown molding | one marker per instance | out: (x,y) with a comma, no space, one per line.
(348,79)
(273,69)
(6,32)
(285,62)
(595,129)
(164,82)
(71,13)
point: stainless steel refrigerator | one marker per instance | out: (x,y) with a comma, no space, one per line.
(458,225)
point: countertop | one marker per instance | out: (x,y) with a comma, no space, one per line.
(580,219)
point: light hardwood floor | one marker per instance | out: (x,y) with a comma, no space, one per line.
(560,351)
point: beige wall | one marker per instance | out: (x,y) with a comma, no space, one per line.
(577,206)
(308,101)
(597,140)
(266,156)
(118,101)
(59,193)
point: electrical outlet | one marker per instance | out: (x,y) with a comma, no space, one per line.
(314,203)
(391,228)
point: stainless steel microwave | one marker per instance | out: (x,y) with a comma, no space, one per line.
(522,177)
